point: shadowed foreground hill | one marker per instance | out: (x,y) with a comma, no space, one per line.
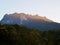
(21,35)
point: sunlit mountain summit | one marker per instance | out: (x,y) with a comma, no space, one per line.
(37,22)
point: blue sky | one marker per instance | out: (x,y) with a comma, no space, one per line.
(48,8)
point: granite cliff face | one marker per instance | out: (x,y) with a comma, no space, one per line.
(30,21)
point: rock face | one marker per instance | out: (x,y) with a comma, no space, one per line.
(30,21)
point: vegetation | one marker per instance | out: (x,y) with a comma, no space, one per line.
(21,35)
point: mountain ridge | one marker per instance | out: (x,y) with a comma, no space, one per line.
(36,17)
(30,21)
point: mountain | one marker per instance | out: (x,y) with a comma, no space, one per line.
(36,22)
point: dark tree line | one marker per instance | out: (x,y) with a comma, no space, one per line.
(21,35)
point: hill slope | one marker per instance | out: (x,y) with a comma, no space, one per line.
(21,35)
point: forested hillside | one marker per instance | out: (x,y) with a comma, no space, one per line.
(21,35)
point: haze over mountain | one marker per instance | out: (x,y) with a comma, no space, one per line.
(30,21)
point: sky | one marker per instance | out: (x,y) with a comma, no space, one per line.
(48,8)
